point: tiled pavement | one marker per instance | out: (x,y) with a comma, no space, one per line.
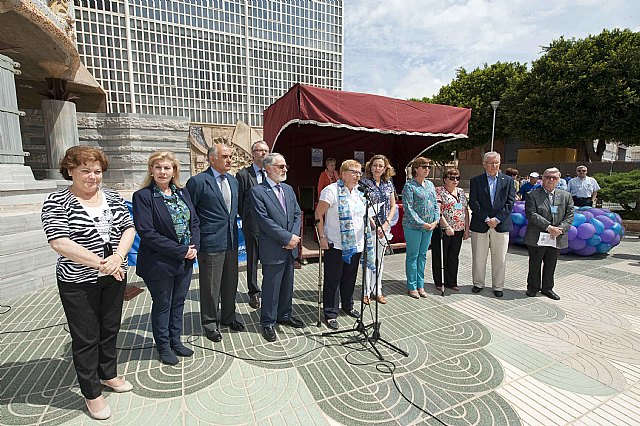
(473,359)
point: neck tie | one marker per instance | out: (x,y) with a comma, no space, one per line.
(261,176)
(226,191)
(280,194)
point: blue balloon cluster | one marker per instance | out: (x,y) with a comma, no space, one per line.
(593,230)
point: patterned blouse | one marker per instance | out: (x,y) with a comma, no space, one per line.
(381,194)
(420,205)
(453,206)
(64,217)
(180,214)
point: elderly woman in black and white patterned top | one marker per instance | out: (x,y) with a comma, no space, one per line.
(92,231)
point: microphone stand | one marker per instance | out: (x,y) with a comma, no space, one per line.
(359,324)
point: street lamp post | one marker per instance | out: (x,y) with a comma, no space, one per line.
(494,104)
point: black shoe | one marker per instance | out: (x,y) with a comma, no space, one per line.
(497,293)
(214,335)
(352,313)
(255,301)
(269,333)
(332,323)
(167,357)
(550,294)
(531,293)
(476,289)
(235,326)
(181,350)
(292,322)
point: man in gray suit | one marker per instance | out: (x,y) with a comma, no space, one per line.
(278,216)
(550,212)
(247,179)
(214,194)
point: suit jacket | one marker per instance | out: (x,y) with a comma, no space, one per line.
(538,212)
(247,179)
(160,255)
(276,228)
(480,203)
(218,227)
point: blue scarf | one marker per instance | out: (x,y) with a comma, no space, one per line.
(347,230)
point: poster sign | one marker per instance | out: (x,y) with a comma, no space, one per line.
(359,156)
(317,157)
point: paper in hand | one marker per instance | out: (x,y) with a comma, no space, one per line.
(547,240)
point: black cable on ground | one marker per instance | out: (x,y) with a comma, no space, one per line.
(5,306)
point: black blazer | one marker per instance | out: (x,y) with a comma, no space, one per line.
(246,180)
(481,207)
(160,255)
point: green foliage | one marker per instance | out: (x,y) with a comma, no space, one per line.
(476,90)
(621,188)
(579,90)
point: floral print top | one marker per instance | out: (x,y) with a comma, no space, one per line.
(453,206)
(420,204)
(381,194)
(179,211)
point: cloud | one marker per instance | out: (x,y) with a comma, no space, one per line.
(410,48)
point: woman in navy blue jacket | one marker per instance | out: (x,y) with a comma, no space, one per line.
(168,227)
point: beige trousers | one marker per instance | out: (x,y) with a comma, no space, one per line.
(481,244)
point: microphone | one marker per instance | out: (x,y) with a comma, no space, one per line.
(364,188)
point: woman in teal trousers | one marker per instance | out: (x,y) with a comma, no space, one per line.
(421,215)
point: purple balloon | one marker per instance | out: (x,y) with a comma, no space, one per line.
(607,235)
(572,233)
(587,214)
(523,231)
(586,231)
(596,212)
(518,208)
(615,241)
(606,221)
(586,251)
(618,218)
(577,244)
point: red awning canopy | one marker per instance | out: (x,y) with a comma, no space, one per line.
(343,122)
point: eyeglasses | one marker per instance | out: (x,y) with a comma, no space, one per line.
(492,163)
(425,166)
(453,177)
(582,171)
(281,166)
(355,172)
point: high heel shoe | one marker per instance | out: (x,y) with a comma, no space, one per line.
(124,387)
(103,414)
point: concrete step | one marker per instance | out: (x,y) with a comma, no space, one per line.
(20,262)
(25,220)
(27,282)
(22,241)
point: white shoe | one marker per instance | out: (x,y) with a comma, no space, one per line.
(125,387)
(103,414)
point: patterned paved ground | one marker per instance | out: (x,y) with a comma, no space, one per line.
(473,359)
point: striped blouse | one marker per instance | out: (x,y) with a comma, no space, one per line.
(64,217)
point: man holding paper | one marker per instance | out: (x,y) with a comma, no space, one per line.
(550,215)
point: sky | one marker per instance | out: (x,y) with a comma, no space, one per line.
(411,48)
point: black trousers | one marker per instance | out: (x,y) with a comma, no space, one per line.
(451,246)
(582,201)
(251,245)
(94,313)
(339,282)
(537,256)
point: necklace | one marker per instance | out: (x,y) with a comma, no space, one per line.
(92,200)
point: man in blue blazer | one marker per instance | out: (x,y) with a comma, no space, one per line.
(491,198)
(278,216)
(214,194)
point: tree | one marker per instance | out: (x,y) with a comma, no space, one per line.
(621,188)
(475,90)
(580,91)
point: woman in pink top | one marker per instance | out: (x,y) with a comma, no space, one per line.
(454,227)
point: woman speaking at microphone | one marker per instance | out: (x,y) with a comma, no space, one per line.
(340,224)
(378,172)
